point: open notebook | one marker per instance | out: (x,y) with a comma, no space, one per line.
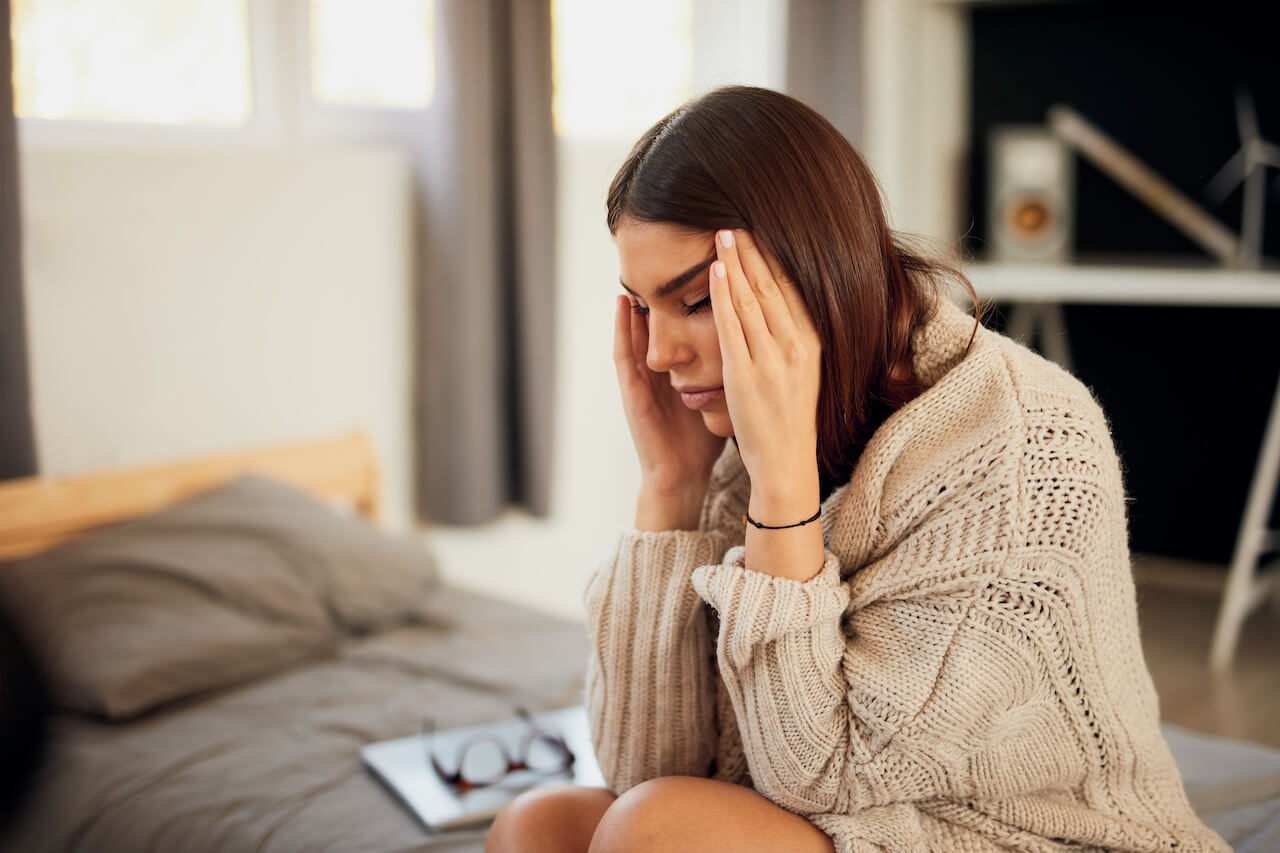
(403,766)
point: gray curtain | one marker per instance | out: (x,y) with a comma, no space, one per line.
(17,439)
(824,60)
(487,283)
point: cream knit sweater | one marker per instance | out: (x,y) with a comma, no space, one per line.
(963,674)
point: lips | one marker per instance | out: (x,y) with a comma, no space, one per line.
(700,398)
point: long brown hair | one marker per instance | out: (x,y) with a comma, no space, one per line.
(752,158)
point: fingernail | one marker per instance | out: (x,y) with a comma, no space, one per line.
(726,239)
(717,269)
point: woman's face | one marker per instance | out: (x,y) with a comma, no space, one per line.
(665,273)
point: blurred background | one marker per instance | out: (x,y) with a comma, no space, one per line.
(250,221)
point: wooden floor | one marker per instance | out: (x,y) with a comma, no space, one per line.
(1176,610)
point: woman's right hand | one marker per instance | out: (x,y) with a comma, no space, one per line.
(676,450)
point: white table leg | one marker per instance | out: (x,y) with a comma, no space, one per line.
(1029,320)
(1024,317)
(1053,335)
(1245,588)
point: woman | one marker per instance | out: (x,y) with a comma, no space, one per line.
(895,611)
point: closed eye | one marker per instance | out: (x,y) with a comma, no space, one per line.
(697,306)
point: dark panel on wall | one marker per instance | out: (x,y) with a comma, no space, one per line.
(1189,447)
(1160,79)
(1187,390)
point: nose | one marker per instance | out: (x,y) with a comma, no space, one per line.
(668,347)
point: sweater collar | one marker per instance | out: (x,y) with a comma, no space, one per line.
(942,342)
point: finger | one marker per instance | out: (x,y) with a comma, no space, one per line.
(621,330)
(767,285)
(623,357)
(791,293)
(733,344)
(755,329)
(624,353)
(639,341)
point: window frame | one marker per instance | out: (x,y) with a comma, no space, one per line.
(282,107)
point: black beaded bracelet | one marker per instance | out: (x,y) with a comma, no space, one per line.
(746,519)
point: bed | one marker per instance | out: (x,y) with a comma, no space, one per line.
(243,627)
(234,721)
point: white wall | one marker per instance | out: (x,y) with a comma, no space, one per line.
(915,129)
(188,301)
(192,300)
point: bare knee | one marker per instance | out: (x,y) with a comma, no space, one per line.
(687,813)
(549,819)
(653,815)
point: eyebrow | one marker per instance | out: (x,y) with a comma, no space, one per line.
(677,282)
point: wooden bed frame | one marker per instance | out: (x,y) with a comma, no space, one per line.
(39,512)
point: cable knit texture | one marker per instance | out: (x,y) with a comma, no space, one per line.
(964,673)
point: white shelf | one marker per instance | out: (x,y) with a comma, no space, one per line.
(1125,285)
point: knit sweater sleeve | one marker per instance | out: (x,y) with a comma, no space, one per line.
(826,693)
(650,693)
(781,650)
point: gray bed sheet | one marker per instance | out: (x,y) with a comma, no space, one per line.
(274,766)
(1233,785)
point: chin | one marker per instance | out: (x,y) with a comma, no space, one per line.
(718,423)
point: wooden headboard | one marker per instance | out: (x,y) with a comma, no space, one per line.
(39,512)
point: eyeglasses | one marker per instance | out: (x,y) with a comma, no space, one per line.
(485,759)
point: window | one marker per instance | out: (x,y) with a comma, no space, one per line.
(374,55)
(619,65)
(158,61)
(188,63)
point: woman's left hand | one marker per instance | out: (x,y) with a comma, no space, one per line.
(771,356)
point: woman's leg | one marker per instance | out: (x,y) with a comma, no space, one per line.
(549,820)
(686,813)
(670,813)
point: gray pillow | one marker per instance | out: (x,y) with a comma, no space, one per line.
(234,583)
